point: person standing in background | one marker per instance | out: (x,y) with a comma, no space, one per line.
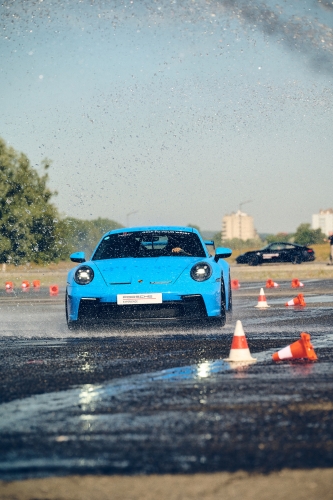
(330,239)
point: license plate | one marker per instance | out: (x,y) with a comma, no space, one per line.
(139,298)
(269,255)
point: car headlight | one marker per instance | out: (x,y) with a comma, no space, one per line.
(84,275)
(201,271)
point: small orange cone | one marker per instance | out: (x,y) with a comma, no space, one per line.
(9,285)
(239,350)
(271,284)
(54,290)
(262,303)
(235,284)
(295,283)
(300,349)
(25,285)
(36,283)
(297,301)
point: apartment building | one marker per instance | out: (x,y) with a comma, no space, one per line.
(238,225)
(323,220)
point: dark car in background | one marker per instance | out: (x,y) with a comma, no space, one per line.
(277,252)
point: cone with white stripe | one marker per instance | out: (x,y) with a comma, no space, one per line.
(296,283)
(300,349)
(262,303)
(271,284)
(239,349)
(297,301)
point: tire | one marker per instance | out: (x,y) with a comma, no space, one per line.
(254,260)
(222,291)
(218,321)
(230,296)
(297,259)
(73,325)
(223,317)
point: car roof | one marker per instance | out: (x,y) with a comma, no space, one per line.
(286,243)
(281,243)
(154,228)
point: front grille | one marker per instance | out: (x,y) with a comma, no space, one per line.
(190,307)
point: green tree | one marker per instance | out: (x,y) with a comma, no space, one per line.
(218,239)
(306,236)
(236,243)
(29,230)
(272,238)
(83,235)
(194,226)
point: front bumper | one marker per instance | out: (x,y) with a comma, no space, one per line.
(177,300)
(189,307)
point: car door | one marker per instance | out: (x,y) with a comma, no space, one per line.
(285,251)
(291,253)
(274,253)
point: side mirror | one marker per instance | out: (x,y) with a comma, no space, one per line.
(222,253)
(78,257)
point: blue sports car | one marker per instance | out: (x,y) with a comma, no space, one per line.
(149,273)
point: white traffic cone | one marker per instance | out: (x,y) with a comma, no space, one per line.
(262,303)
(239,350)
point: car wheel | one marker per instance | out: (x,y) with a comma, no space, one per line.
(230,296)
(254,260)
(297,259)
(222,319)
(72,325)
(218,321)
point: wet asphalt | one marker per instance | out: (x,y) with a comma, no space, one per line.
(147,398)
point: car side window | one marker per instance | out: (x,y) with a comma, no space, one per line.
(277,246)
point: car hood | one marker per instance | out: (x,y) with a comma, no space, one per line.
(159,270)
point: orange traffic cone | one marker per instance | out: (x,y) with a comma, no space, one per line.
(25,285)
(300,349)
(36,283)
(239,350)
(235,284)
(297,301)
(262,303)
(54,290)
(295,283)
(271,284)
(9,285)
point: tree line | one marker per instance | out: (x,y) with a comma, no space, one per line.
(304,235)
(31,228)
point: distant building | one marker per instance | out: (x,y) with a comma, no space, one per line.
(323,221)
(238,225)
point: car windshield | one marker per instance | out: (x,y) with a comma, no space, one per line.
(149,244)
(266,247)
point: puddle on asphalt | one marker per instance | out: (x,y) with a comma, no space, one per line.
(55,410)
(309,299)
(318,298)
(16,343)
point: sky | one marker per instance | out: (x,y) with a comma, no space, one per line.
(179,111)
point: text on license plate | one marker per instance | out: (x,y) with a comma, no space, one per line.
(139,298)
(269,255)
